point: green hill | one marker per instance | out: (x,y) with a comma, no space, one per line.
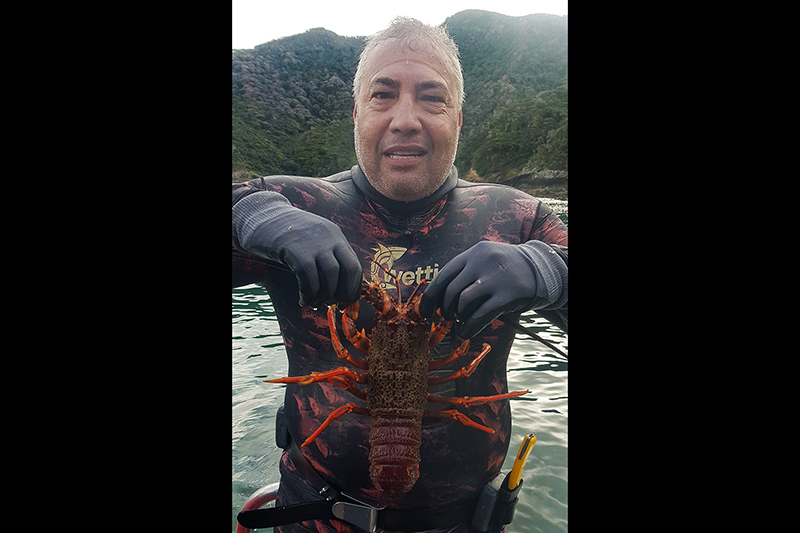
(292,100)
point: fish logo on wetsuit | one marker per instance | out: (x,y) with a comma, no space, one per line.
(385,257)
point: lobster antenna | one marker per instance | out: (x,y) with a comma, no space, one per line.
(523,329)
(396,279)
(416,289)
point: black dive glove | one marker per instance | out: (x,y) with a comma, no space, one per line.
(314,248)
(491,279)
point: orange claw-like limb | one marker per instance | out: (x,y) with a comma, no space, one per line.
(455,415)
(378,298)
(438,331)
(357,338)
(468,401)
(347,408)
(463,372)
(337,344)
(330,376)
(435,364)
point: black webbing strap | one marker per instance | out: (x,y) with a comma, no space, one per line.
(363,516)
(386,518)
(429,519)
(289,514)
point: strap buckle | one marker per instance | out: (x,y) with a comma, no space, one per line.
(356,512)
(363,516)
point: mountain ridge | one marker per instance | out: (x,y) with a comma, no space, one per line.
(292,99)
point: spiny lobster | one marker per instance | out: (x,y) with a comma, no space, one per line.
(395,372)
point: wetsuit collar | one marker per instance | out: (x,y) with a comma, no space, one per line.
(397,207)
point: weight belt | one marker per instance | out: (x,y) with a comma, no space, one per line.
(343,507)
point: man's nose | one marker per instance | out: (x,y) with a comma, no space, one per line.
(405,118)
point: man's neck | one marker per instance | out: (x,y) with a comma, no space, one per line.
(397,207)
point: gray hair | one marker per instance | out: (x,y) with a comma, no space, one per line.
(408,30)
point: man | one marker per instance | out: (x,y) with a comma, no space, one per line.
(485,251)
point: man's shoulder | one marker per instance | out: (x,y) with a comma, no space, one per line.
(494,190)
(339,177)
(304,191)
(489,199)
(301,182)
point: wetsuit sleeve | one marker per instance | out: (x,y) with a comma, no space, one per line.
(552,274)
(246,268)
(252,211)
(327,269)
(550,230)
(241,191)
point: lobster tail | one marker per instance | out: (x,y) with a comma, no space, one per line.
(394,454)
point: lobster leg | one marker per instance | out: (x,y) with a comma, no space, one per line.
(467,401)
(357,338)
(438,331)
(435,364)
(463,372)
(349,387)
(347,408)
(337,344)
(330,376)
(461,417)
(377,297)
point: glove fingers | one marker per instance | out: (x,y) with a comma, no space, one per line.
(349,284)
(434,296)
(328,272)
(481,301)
(308,281)
(473,303)
(472,298)
(334,276)
(455,302)
(481,313)
(481,304)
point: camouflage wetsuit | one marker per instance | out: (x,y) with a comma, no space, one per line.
(412,240)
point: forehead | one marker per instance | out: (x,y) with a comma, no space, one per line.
(414,61)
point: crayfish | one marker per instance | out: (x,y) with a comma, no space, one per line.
(395,373)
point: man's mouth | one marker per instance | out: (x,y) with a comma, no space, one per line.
(405,152)
(404,156)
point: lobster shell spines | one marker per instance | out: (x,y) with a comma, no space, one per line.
(397,385)
(398,377)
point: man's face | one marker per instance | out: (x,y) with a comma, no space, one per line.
(407,121)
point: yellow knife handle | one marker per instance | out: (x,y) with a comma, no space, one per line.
(519,463)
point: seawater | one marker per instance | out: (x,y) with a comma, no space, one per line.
(258,353)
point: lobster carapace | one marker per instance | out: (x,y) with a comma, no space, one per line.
(395,372)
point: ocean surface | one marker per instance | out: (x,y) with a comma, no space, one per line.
(258,352)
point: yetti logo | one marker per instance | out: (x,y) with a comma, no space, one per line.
(385,256)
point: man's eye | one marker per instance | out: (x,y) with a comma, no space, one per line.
(381,95)
(432,98)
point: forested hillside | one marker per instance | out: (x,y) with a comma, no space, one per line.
(292,101)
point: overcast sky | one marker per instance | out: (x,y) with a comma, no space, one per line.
(259,21)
